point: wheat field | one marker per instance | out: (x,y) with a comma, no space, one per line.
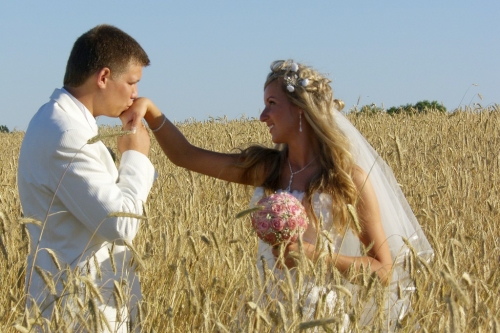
(198,260)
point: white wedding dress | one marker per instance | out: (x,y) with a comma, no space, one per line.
(398,221)
(321,203)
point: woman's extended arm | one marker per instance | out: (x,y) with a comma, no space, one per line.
(180,151)
(372,234)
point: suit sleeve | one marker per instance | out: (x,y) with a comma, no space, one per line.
(90,192)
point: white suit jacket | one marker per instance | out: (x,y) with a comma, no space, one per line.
(71,187)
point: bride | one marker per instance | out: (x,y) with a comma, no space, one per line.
(358,215)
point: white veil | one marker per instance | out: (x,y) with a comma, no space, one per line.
(397,217)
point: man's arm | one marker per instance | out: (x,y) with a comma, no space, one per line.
(91,191)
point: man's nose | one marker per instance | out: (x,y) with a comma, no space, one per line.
(135,92)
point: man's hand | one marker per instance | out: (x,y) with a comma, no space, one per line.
(139,141)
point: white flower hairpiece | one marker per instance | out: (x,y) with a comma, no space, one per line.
(291,79)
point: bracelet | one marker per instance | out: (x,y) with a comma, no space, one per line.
(163,123)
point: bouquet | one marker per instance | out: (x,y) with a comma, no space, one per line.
(279,217)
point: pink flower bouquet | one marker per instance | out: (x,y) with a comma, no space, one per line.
(281,217)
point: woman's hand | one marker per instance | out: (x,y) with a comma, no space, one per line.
(142,108)
(292,251)
(133,115)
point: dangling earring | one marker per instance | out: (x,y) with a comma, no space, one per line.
(300,122)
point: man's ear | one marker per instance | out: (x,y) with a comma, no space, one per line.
(103,76)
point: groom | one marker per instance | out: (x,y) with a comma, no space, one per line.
(72,186)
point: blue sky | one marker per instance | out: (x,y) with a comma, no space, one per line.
(210,58)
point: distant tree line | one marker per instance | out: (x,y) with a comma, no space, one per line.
(4,129)
(419,107)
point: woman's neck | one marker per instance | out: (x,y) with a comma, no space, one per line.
(301,153)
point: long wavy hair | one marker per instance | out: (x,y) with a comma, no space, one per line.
(315,98)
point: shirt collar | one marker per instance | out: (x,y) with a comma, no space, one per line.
(86,113)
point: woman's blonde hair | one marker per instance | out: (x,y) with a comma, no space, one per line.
(311,92)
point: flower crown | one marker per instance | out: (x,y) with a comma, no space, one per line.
(291,76)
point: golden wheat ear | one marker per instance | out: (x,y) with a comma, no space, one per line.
(124,214)
(248,211)
(100,136)
(27,220)
(136,257)
(354,215)
(47,279)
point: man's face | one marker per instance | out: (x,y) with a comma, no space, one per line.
(119,92)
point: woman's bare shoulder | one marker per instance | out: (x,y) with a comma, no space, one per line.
(359,176)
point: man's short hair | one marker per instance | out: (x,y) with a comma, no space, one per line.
(102,46)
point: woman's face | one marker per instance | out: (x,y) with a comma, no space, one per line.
(280,115)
